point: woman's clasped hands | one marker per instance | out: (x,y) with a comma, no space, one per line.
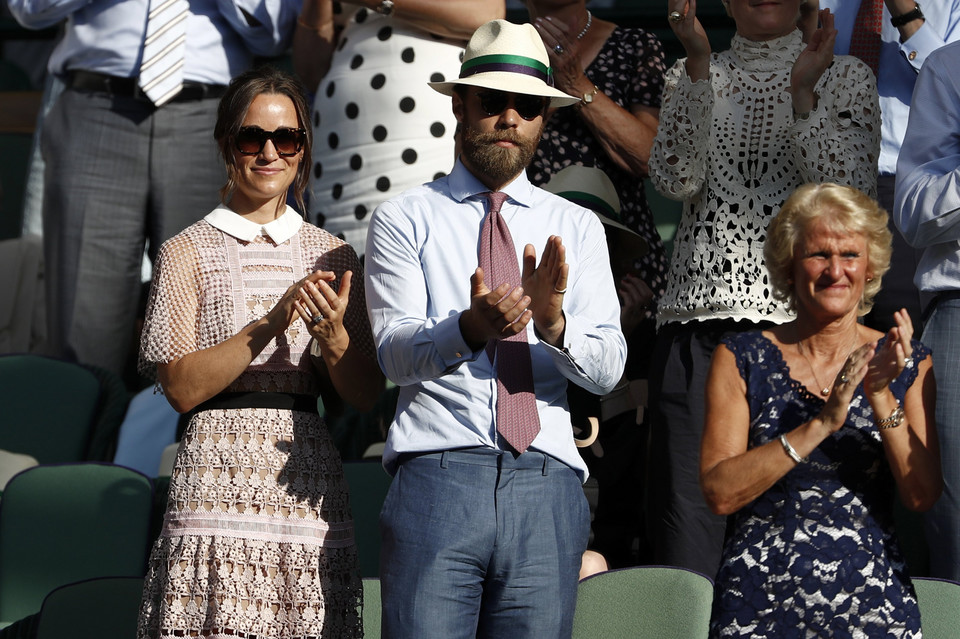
(875,366)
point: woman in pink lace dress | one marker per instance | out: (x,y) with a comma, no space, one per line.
(254,313)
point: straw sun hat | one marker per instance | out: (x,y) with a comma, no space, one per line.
(590,187)
(507,57)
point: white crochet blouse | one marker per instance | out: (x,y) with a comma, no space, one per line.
(731,149)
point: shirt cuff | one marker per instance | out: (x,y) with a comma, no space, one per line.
(451,346)
(921,44)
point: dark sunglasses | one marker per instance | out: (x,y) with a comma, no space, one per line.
(527,107)
(251,140)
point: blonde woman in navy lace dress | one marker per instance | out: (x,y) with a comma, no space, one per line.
(253,314)
(810,428)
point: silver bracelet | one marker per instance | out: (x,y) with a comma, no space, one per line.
(791,451)
(895,419)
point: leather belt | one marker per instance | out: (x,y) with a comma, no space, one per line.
(93,82)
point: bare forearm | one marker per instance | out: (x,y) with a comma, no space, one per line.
(733,483)
(198,376)
(456,19)
(357,379)
(900,7)
(626,137)
(313,42)
(913,458)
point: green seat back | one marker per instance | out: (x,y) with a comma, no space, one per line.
(939,607)
(369,483)
(49,407)
(643,602)
(371,607)
(92,609)
(62,524)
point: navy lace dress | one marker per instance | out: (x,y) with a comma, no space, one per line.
(816,554)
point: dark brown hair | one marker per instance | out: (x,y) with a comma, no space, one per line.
(233,109)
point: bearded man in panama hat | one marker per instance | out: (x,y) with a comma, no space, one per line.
(486,521)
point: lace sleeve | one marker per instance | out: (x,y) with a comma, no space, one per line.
(169,329)
(355,319)
(840,140)
(678,165)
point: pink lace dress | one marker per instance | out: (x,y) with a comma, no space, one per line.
(257,538)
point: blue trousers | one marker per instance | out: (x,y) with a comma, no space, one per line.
(942,523)
(481,544)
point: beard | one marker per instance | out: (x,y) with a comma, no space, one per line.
(494,162)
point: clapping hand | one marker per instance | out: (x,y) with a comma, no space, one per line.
(563,47)
(811,63)
(493,314)
(890,359)
(682,16)
(546,284)
(322,309)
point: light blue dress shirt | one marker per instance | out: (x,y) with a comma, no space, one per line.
(899,62)
(927,208)
(106,36)
(422,248)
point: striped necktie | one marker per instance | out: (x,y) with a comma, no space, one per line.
(161,68)
(517,419)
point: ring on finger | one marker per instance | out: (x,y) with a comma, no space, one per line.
(559,291)
(558,49)
(317,319)
(843,377)
(676,16)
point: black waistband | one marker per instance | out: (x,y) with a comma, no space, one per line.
(284,401)
(91,81)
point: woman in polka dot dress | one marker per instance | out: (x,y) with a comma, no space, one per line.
(379,128)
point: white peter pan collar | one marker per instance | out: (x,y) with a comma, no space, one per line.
(279,230)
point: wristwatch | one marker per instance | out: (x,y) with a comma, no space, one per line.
(587,98)
(909,16)
(385,8)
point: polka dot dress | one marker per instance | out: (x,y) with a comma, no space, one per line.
(629,70)
(379,129)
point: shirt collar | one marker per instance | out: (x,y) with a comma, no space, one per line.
(464,185)
(279,230)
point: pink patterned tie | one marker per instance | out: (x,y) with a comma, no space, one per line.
(865,40)
(517,418)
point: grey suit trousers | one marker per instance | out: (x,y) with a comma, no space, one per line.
(120,175)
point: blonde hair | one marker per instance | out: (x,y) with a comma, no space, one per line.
(840,208)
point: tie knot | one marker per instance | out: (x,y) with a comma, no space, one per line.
(497,198)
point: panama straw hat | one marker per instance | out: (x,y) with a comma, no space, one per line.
(590,187)
(508,57)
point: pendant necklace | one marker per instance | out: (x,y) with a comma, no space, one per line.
(824,390)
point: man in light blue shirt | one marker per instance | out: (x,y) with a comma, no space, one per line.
(480,538)
(903,51)
(927,212)
(120,171)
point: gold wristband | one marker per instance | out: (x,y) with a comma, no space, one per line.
(895,419)
(310,27)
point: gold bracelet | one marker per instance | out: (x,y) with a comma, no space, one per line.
(311,27)
(895,419)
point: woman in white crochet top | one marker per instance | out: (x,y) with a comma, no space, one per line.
(739,131)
